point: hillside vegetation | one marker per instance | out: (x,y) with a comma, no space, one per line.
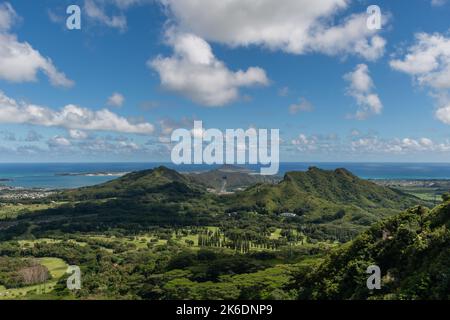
(159,234)
(161,182)
(320,196)
(327,204)
(412,249)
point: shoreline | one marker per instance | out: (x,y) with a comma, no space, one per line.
(91,174)
(77,177)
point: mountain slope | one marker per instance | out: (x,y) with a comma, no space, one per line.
(333,205)
(324,196)
(161,181)
(341,186)
(229,178)
(412,249)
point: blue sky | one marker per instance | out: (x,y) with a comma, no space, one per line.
(336,90)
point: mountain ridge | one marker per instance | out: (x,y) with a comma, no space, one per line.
(325,194)
(326,202)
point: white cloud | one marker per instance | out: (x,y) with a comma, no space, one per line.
(194,72)
(55,17)
(293,26)
(58,142)
(167,125)
(125,4)
(302,106)
(361,88)
(443,114)
(103,146)
(69,117)
(19,61)
(368,144)
(96,12)
(77,134)
(317,143)
(8,16)
(304,143)
(116,100)
(398,146)
(427,61)
(100,146)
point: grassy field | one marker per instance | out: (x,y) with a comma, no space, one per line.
(191,240)
(427,194)
(31,243)
(10,211)
(57,268)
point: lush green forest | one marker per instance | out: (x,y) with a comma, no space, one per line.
(159,234)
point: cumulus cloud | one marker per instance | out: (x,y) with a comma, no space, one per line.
(398,146)
(443,114)
(194,72)
(99,147)
(125,4)
(116,100)
(77,134)
(303,105)
(317,143)
(427,61)
(293,26)
(368,144)
(168,125)
(19,61)
(361,88)
(95,11)
(304,143)
(58,142)
(69,117)
(104,146)
(96,147)
(98,12)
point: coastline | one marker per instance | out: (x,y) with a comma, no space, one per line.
(74,175)
(91,174)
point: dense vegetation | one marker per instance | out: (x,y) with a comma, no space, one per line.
(412,249)
(333,205)
(15,272)
(158,234)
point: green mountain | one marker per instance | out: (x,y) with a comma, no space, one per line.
(160,181)
(412,250)
(322,196)
(132,203)
(334,205)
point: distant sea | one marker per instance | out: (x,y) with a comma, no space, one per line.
(70,175)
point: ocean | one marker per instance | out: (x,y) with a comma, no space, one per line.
(72,175)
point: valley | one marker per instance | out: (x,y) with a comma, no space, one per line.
(159,234)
